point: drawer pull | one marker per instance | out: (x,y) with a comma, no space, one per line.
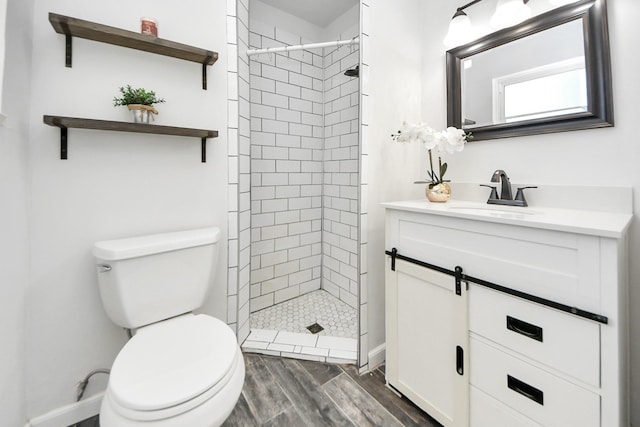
(459,360)
(523,328)
(525,389)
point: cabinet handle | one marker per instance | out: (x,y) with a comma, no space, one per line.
(523,328)
(528,391)
(459,360)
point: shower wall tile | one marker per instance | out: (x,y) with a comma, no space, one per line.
(285,154)
(341,176)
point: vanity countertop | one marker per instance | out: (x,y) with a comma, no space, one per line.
(605,224)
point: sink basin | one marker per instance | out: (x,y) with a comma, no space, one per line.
(500,212)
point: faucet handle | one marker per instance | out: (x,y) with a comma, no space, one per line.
(494,192)
(520,194)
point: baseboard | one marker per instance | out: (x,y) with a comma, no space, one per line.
(69,414)
(377,356)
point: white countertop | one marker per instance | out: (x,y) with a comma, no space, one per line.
(605,224)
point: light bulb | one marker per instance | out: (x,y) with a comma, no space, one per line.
(509,13)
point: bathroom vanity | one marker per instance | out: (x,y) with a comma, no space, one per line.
(507,316)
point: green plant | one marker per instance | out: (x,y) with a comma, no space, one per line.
(136,96)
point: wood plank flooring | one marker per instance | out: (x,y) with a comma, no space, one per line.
(283,392)
(288,392)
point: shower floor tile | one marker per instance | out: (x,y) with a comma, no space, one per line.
(281,330)
(295,315)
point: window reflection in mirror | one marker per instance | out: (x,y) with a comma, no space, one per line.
(525,79)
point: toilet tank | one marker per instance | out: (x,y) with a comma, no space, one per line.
(146,279)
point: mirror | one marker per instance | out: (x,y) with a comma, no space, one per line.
(551,73)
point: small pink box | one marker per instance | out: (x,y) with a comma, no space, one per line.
(149,27)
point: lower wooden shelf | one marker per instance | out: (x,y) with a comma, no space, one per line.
(79,123)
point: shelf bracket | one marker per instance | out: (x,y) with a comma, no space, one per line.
(204,71)
(68,44)
(63,143)
(203,149)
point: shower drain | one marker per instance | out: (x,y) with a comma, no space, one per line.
(315,328)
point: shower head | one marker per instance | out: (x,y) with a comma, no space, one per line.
(354,72)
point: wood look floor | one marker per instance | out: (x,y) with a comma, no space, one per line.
(288,392)
(283,392)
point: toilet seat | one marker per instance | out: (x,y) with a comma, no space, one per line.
(173,366)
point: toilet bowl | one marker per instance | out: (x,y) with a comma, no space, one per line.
(186,371)
(179,369)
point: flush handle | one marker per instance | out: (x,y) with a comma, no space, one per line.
(103,268)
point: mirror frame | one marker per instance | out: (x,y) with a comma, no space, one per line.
(598,69)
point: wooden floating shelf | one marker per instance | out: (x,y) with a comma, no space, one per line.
(73,122)
(73,27)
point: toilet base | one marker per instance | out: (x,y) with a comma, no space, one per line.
(211,413)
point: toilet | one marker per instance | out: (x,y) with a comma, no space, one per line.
(179,368)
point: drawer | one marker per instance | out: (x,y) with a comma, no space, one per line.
(486,411)
(554,338)
(538,395)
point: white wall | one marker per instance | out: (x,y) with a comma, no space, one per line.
(14,187)
(394,84)
(591,157)
(113,184)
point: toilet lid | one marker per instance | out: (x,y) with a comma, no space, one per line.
(172,362)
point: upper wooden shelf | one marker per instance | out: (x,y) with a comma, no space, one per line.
(73,27)
(80,123)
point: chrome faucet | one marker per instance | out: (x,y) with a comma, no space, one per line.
(505,191)
(501,177)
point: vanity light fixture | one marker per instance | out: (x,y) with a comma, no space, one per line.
(460,29)
(509,13)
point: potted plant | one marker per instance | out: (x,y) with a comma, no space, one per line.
(139,101)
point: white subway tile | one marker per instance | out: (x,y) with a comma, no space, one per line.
(288,115)
(262,220)
(275,126)
(301,105)
(272,232)
(275,153)
(287,89)
(263,111)
(287,268)
(271,72)
(287,191)
(271,286)
(262,193)
(275,179)
(286,294)
(301,80)
(300,178)
(289,64)
(288,141)
(287,242)
(299,253)
(287,217)
(287,166)
(275,205)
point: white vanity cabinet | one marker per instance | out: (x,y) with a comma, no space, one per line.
(540,315)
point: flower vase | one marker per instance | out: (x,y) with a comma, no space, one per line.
(438,193)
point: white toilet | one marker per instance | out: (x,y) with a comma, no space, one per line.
(179,369)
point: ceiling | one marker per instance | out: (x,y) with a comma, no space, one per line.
(318,12)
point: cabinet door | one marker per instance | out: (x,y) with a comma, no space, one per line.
(427,341)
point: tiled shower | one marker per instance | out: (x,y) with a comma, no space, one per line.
(304,176)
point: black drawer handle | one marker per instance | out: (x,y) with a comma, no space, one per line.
(459,360)
(523,328)
(525,389)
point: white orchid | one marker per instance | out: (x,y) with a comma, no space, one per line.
(451,140)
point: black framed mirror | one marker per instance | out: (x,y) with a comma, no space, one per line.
(551,73)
